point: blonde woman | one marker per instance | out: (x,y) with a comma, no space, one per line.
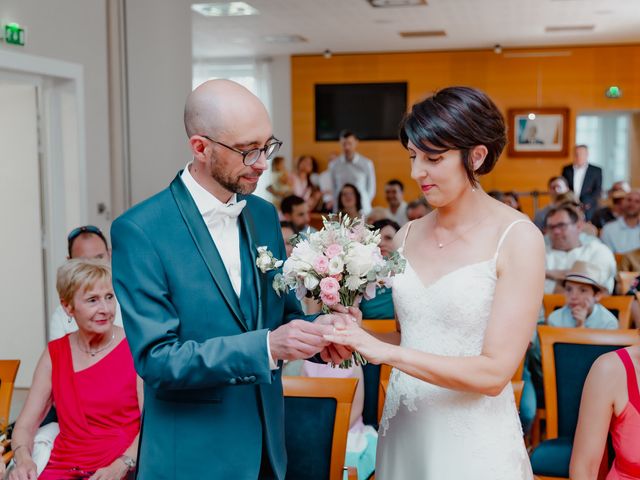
(90,377)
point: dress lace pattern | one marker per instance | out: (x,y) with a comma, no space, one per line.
(430,432)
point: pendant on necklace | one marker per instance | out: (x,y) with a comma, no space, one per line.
(93,354)
(440,245)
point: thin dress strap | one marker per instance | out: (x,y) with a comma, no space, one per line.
(506,231)
(632,381)
(406,233)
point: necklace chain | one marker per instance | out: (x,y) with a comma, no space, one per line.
(458,236)
(93,353)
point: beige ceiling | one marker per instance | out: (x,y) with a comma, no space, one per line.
(355,26)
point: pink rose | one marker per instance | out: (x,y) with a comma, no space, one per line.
(337,276)
(321,264)
(333,250)
(329,298)
(329,285)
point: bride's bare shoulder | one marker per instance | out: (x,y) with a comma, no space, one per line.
(414,224)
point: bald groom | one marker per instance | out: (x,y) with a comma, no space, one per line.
(205,327)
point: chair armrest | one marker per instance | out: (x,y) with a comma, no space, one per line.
(352,473)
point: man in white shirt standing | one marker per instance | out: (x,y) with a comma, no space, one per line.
(394,194)
(351,167)
(206,329)
(565,248)
(584,179)
(87,241)
(623,234)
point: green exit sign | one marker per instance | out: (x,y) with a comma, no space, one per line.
(14,34)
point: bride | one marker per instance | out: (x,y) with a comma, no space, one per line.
(466,304)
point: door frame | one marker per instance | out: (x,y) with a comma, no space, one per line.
(61,110)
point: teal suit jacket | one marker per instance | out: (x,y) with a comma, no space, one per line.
(211,402)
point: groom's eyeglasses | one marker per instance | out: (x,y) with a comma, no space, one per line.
(249,157)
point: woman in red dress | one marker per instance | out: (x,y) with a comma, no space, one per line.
(89,377)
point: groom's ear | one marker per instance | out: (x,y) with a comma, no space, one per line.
(198,146)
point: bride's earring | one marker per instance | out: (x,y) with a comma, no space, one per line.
(69,318)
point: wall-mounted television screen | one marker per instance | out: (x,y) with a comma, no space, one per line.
(371,110)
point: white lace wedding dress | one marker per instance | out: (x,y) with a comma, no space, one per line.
(433,433)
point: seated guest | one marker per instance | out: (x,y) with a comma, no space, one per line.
(394,195)
(280,181)
(417,209)
(302,182)
(610,404)
(350,201)
(381,306)
(610,212)
(89,375)
(556,186)
(376,214)
(583,291)
(82,242)
(296,210)
(631,261)
(508,198)
(565,248)
(623,234)
(288,232)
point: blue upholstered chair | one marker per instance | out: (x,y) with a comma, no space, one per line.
(567,356)
(316,414)
(373,401)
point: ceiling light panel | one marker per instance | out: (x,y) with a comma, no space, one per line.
(423,34)
(228,9)
(396,3)
(569,28)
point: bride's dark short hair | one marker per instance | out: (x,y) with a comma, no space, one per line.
(456,118)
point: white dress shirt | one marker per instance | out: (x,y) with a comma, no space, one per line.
(224,232)
(400,217)
(578,178)
(359,172)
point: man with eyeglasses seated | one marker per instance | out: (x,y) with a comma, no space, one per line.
(87,241)
(563,227)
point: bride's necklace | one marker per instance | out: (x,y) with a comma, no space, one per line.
(458,236)
(93,353)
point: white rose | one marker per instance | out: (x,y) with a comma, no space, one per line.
(336,265)
(353,282)
(264,262)
(360,259)
(304,252)
(311,282)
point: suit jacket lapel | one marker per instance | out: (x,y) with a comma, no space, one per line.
(206,247)
(248,225)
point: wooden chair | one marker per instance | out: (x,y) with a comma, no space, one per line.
(315,220)
(619,258)
(317,450)
(518,387)
(374,374)
(625,279)
(619,305)
(8,372)
(567,356)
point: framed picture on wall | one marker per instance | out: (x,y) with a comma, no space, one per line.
(538,132)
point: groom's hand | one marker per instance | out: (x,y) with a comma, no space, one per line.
(298,340)
(334,353)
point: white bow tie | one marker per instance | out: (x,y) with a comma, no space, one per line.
(224,213)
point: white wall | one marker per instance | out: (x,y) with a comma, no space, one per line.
(74,31)
(159,80)
(281,103)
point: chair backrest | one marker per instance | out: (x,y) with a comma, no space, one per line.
(619,305)
(619,258)
(317,412)
(518,387)
(567,356)
(625,280)
(373,401)
(8,372)
(315,220)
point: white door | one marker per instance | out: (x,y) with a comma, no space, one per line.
(22,298)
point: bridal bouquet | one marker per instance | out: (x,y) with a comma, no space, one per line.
(338,264)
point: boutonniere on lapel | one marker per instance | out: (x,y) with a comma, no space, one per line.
(266,261)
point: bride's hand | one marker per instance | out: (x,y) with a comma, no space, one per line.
(353,336)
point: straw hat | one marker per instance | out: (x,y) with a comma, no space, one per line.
(586,273)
